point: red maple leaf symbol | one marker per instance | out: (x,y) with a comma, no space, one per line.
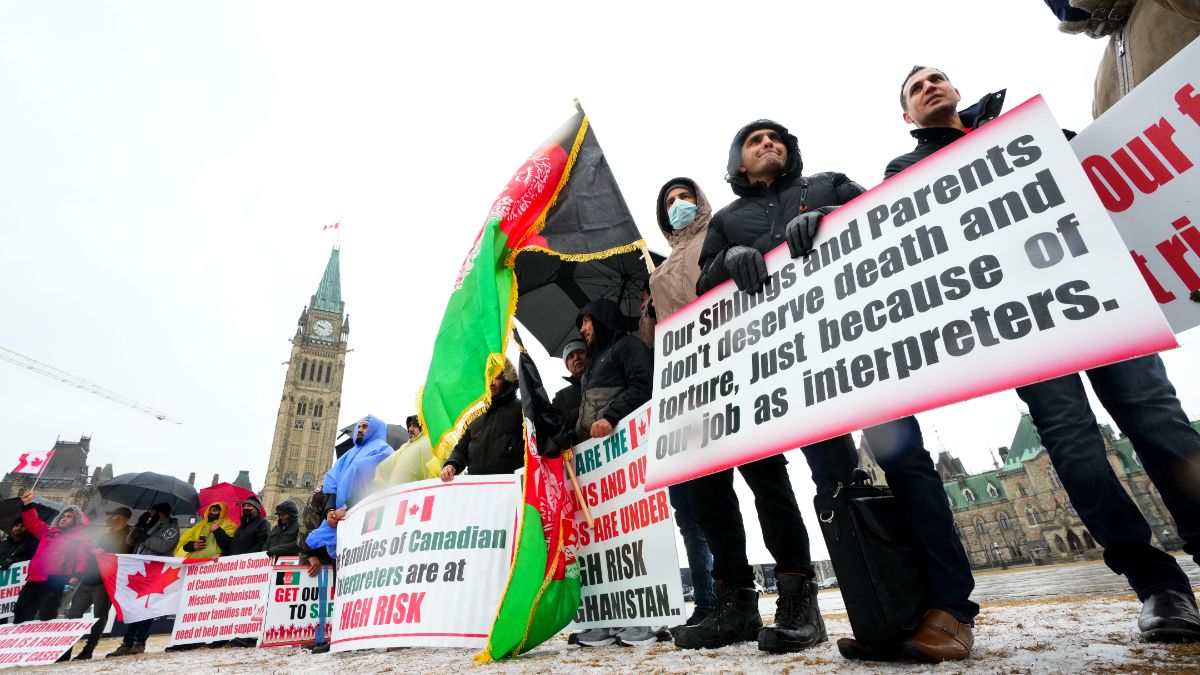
(641,428)
(154,579)
(412,510)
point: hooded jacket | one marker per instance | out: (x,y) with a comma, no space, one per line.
(159,538)
(673,283)
(204,528)
(760,214)
(932,139)
(250,536)
(60,552)
(495,441)
(285,539)
(350,476)
(409,464)
(618,378)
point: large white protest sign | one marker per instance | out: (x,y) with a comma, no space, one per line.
(1141,157)
(989,265)
(628,565)
(424,564)
(37,643)
(223,599)
(12,580)
(294,606)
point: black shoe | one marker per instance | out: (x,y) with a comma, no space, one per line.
(123,649)
(734,619)
(698,615)
(85,654)
(184,648)
(320,648)
(798,623)
(1170,616)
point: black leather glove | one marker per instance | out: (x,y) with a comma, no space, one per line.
(746,267)
(802,230)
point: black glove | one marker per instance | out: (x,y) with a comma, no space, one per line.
(144,519)
(802,230)
(746,267)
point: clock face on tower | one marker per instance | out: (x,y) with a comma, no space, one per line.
(323,328)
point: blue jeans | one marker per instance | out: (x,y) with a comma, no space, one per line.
(1140,398)
(899,448)
(699,558)
(138,631)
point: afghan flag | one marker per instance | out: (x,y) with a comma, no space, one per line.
(542,593)
(563,201)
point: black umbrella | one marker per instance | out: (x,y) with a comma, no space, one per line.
(551,291)
(140,491)
(10,510)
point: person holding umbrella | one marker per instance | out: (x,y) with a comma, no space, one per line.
(61,558)
(156,533)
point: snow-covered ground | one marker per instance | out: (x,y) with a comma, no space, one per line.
(1084,627)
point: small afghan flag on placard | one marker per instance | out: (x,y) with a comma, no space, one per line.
(373,520)
(287,578)
(563,201)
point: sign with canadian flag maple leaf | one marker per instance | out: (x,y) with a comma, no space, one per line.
(141,586)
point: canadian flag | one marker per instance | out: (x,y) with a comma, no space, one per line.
(330,227)
(425,508)
(33,462)
(142,586)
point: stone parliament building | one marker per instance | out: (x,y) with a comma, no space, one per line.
(1018,512)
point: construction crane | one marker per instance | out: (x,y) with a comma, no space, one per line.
(80,383)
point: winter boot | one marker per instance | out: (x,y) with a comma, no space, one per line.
(85,654)
(734,619)
(124,649)
(138,648)
(798,623)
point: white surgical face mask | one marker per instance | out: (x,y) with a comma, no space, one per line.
(681,214)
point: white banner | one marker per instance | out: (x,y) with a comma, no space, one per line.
(424,564)
(294,606)
(628,564)
(12,580)
(37,643)
(989,265)
(223,599)
(1141,157)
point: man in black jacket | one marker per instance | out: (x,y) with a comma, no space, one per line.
(91,591)
(617,376)
(250,536)
(493,443)
(1137,393)
(778,204)
(284,537)
(19,547)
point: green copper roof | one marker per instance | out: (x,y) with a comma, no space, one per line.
(329,293)
(978,485)
(1026,444)
(243,480)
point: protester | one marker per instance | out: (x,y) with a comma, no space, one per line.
(616,380)
(683,216)
(284,537)
(1136,393)
(60,560)
(414,426)
(156,533)
(250,536)
(776,204)
(91,591)
(351,475)
(19,546)
(494,442)
(200,540)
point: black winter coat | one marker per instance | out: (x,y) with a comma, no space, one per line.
(619,375)
(493,443)
(758,217)
(248,538)
(285,540)
(13,551)
(933,139)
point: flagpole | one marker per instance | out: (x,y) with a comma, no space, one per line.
(569,463)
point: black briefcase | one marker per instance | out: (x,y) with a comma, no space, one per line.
(876,560)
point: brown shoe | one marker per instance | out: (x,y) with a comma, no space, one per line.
(940,637)
(853,649)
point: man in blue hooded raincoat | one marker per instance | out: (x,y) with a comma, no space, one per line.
(349,478)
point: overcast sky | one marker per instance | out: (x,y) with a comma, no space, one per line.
(165,170)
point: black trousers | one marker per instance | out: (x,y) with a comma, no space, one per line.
(39,600)
(95,596)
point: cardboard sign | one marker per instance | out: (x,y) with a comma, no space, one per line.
(294,602)
(12,580)
(223,599)
(424,564)
(36,643)
(628,564)
(1141,157)
(987,266)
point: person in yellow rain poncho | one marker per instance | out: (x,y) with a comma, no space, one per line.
(198,541)
(409,464)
